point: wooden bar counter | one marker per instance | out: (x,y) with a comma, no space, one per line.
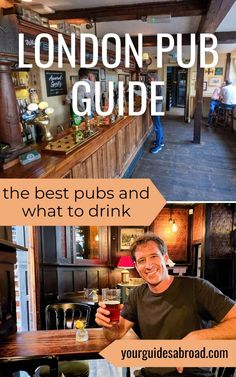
(108,155)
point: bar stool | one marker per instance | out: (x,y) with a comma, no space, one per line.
(223,116)
(229,116)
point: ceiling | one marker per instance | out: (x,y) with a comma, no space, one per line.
(80,4)
(184,18)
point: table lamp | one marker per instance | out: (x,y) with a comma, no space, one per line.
(125,262)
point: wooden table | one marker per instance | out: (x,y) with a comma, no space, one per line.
(32,349)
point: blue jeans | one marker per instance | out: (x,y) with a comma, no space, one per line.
(158,129)
(213,105)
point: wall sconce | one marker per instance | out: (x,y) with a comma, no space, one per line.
(173,225)
(125,262)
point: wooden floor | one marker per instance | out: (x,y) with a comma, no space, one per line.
(193,172)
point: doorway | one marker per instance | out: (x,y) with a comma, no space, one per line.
(176,88)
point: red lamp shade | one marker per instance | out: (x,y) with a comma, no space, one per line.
(125,262)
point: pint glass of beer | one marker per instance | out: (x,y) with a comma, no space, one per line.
(111,298)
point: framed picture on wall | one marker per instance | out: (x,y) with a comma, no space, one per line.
(129,235)
(214,81)
(219,71)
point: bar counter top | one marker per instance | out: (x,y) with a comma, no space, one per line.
(107,155)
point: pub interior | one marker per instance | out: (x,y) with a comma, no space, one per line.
(111,147)
(71,265)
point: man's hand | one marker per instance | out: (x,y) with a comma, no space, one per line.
(102,314)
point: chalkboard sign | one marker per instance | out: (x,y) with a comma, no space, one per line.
(55,83)
(29,44)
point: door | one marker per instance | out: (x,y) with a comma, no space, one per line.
(176,87)
(181,86)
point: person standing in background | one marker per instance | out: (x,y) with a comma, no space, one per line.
(87,76)
(158,142)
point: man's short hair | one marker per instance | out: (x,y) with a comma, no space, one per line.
(83,73)
(228,82)
(145,238)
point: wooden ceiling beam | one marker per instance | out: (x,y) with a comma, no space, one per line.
(226,37)
(151,40)
(216,12)
(134,11)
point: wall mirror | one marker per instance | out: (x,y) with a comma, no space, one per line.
(90,245)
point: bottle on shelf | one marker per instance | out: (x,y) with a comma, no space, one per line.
(28,133)
(23,134)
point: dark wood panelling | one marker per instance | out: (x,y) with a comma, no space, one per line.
(103,278)
(48,244)
(93,278)
(80,276)
(221,226)
(50,280)
(64,244)
(65,280)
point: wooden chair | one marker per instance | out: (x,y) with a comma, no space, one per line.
(64,315)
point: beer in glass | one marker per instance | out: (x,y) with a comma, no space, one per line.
(111,298)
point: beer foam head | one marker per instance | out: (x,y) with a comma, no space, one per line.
(112,302)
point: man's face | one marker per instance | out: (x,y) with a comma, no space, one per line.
(150,263)
(91,77)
